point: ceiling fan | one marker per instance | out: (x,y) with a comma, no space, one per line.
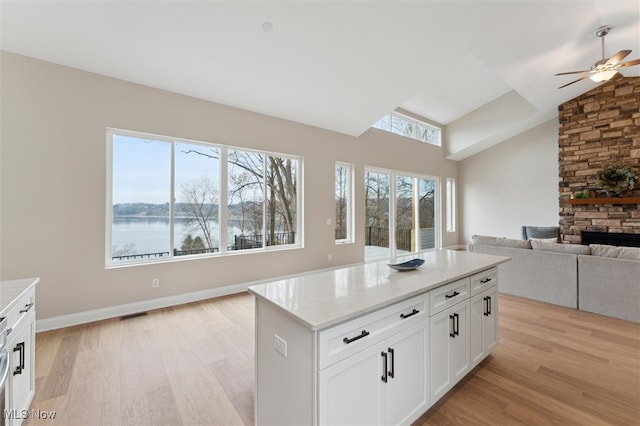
(604,69)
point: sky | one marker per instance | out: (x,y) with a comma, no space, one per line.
(142,168)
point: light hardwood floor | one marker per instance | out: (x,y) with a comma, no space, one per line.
(193,364)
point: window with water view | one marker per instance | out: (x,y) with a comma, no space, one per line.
(169,199)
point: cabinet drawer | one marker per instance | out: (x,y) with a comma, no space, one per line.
(17,312)
(343,340)
(483,280)
(449,295)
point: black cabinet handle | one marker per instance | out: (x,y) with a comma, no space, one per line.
(19,348)
(487,308)
(457,330)
(392,371)
(449,296)
(384,368)
(348,340)
(412,313)
(26,308)
(453,326)
(486,280)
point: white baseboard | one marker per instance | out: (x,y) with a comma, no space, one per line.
(69,320)
(62,321)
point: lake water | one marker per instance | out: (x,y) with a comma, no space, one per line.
(151,235)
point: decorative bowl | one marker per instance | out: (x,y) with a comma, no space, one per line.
(407,266)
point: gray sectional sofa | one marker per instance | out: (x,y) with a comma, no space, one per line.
(596,278)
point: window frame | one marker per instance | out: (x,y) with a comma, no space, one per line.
(450,205)
(415,123)
(223,215)
(349,197)
(393,174)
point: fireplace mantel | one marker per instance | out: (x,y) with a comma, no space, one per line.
(612,200)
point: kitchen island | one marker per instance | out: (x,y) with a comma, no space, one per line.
(366,344)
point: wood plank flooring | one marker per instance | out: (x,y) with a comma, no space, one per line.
(193,364)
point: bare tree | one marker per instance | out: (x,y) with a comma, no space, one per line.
(200,197)
(276,179)
(341,202)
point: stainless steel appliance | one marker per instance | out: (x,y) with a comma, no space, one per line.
(4,367)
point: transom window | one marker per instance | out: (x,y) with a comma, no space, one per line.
(172,198)
(403,125)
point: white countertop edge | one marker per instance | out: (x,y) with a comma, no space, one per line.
(21,287)
(365,309)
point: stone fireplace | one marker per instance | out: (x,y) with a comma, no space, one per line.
(597,129)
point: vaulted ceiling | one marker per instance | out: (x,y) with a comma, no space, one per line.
(483,69)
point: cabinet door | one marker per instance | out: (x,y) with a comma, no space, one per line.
(407,389)
(460,343)
(490,321)
(21,367)
(351,392)
(483,327)
(449,348)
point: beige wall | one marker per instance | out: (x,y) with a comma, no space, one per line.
(512,184)
(53,155)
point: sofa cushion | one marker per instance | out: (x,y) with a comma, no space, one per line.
(503,242)
(547,240)
(563,248)
(630,253)
(530,232)
(619,252)
(604,250)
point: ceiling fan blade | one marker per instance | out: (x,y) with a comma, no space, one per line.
(575,81)
(572,72)
(617,57)
(628,64)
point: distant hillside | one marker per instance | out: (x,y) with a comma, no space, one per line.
(162,210)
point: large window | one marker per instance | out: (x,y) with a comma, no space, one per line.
(170,198)
(400,218)
(403,125)
(344,203)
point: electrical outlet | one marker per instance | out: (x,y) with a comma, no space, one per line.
(155,282)
(329,258)
(280,345)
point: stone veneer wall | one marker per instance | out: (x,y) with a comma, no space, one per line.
(596,129)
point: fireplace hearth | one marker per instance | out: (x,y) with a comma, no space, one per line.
(611,238)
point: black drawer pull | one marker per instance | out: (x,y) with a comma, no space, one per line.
(449,296)
(405,316)
(393,369)
(348,340)
(486,280)
(26,308)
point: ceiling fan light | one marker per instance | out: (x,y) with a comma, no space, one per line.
(603,76)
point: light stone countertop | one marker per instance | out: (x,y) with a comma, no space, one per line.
(322,299)
(11,291)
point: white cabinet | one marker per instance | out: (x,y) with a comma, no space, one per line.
(449,348)
(386,365)
(20,347)
(483,324)
(385,383)
(21,380)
